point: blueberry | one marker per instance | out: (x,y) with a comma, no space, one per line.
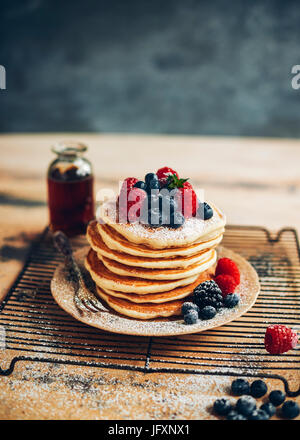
(269,408)
(140,184)
(222,407)
(176,220)
(258,388)
(153,201)
(154,217)
(276,397)
(207,211)
(234,415)
(290,409)
(240,387)
(187,306)
(191,317)
(149,177)
(245,405)
(258,414)
(153,184)
(231,300)
(207,312)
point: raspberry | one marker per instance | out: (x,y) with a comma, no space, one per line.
(226,266)
(128,184)
(226,283)
(130,196)
(185,196)
(163,175)
(280,339)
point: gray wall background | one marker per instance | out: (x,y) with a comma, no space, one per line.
(170,66)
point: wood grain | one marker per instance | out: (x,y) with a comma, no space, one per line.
(254,181)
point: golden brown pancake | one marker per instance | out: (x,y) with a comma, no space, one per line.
(116,241)
(160,274)
(193,229)
(109,280)
(98,245)
(141,311)
(171,295)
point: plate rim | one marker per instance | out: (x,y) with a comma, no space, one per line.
(191,329)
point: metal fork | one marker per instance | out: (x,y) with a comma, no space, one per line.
(83,298)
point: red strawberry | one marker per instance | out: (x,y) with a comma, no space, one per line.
(280,339)
(226,266)
(226,283)
(185,196)
(163,175)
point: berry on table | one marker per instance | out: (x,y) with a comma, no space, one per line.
(290,409)
(258,414)
(280,339)
(258,388)
(226,266)
(191,317)
(226,283)
(240,387)
(208,293)
(208,312)
(277,397)
(245,405)
(234,415)
(222,407)
(163,175)
(231,300)
(187,306)
(268,408)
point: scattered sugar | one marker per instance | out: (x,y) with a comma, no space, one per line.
(110,321)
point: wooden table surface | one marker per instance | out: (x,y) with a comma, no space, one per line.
(254,181)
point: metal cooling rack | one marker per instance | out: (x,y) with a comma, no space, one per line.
(36,329)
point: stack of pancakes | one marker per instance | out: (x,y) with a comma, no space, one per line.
(146,273)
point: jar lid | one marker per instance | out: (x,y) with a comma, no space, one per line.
(69,148)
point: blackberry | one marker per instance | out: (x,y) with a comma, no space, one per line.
(187,306)
(222,407)
(208,294)
(240,387)
(269,408)
(276,397)
(290,409)
(245,405)
(208,312)
(258,388)
(258,414)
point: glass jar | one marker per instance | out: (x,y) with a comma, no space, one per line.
(70,189)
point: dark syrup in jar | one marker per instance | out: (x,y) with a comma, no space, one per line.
(70,190)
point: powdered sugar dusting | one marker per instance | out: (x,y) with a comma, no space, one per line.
(108,320)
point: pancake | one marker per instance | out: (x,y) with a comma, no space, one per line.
(158,298)
(109,280)
(192,230)
(115,241)
(142,311)
(95,240)
(208,259)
